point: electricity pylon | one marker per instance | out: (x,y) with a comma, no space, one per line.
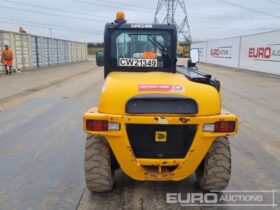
(171,7)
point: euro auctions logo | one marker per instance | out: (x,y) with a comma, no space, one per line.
(264,198)
(221,52)
(268,53)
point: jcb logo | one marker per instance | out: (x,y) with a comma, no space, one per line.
(141,26)
(161,136)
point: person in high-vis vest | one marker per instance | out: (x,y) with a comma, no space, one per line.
(7,59)
(149,52)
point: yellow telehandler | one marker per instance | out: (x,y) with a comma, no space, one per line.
(155,121)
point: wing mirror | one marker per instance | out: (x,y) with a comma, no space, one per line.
(100,58)
(194,55)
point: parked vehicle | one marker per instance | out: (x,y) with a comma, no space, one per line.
(155,121)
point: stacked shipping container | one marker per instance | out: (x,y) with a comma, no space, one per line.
(258,52)
(48,51)
(32,51)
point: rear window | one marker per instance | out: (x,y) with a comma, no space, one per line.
(140,49)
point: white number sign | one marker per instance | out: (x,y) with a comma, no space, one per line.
(138,62)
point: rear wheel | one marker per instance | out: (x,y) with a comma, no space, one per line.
(214,171)
(98,164)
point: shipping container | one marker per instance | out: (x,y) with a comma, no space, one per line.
(85,51)
(202,49)
(42,51)
(48,51)
(6,38)
(261,52)
(22,51)
(79,51)
(37,51)
(70,51)
(74,52)
(20,44)
(55,51)
(66,51)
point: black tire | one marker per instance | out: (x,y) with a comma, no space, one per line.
(214,171)
(97,165)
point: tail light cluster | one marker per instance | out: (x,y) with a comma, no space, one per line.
(220,127)
(102,125)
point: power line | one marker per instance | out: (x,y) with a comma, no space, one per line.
(96,17)
(249,9)
(117,6)
(47,26)
(195,15)
(49,14)
(37,26)
(101,18)
(274,2)
(47,8)
(112,4)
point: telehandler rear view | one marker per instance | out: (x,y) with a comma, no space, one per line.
(155,120)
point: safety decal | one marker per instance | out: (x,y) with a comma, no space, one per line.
(161,88)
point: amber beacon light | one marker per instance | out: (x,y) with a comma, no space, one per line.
(120,16)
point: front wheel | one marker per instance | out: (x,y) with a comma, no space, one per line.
(97,165)
(214,171)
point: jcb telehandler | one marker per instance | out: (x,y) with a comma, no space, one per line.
(155,120)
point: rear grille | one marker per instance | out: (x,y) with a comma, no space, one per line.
(142,140)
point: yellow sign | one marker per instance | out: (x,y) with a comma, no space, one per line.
(161,136)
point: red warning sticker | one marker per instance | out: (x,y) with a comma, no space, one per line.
(160,88)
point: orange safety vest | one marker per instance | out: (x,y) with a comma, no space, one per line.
(7,55)
(149,55)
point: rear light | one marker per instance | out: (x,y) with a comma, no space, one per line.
(225,126)
(97,125)
(102,125)
(221,127)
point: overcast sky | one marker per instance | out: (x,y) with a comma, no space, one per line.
(83,20)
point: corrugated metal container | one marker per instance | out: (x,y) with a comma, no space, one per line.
(34,52)
(63,52)
(60,52)
(224,52)
(20,44)
(6,38)
(55,51)
(66,51)
(79,51)
(42,51)
(85,51)
(48,51)
(22,51)
(70,51)
(202,48)
(37,51)
(74,52)
(261,52)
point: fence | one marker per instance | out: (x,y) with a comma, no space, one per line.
(258,52)
(32,51)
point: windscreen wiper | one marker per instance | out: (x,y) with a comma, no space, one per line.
(158,44)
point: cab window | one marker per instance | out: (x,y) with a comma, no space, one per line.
(134,49)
